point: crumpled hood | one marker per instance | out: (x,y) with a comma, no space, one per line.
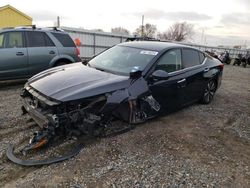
(76,81)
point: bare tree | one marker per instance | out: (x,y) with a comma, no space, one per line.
(148,30)
(120,30)
(178,32)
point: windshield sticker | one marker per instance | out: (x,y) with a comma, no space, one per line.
(148,52)
(134,69)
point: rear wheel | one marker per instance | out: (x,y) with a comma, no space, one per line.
(209,92)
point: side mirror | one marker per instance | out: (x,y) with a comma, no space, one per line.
(134,74)
(160,75)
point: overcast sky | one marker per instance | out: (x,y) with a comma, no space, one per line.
(224,22)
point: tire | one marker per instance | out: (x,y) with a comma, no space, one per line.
(209,92)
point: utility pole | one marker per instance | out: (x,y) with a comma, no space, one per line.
(142,26)
(58,21)
(202,36)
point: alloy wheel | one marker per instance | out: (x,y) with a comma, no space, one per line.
(209,91)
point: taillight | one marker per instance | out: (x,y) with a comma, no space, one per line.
(77,51)
(221,66)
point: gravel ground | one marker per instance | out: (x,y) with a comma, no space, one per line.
(199,146)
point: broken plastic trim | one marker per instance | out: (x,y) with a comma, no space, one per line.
(27,89)
(16,160)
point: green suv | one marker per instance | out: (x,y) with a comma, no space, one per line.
(27,51)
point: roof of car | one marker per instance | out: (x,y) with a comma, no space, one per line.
(152,45)
(31,29)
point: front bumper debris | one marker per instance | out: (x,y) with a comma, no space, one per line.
(38,117)
(16,160)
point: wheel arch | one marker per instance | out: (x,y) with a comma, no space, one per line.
(63,58)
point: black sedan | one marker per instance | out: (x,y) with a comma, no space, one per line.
(132,81)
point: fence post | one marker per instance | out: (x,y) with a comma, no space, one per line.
(94,45)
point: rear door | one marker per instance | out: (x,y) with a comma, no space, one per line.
(68,46)
(41,51)
(13,55)
(191,84)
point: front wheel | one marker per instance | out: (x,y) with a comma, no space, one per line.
(209,92)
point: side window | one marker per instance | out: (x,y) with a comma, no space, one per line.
(48,40)
(202,57)
(13,40)
(1,40)
(38,39)
(170,61)
(190,58)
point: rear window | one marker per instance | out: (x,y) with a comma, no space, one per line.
(64,39)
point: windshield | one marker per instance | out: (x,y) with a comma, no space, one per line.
(122,60)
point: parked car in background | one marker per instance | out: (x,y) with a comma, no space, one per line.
(28,50)
(213,54)
(246,59)
(238,59)
(225,58)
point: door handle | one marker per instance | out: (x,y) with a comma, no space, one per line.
(206,69)
(52,52)
(181,81)
(19,53)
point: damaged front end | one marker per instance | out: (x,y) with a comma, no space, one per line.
(88,116)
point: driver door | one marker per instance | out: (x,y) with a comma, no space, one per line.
(166,91)
(13,56)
